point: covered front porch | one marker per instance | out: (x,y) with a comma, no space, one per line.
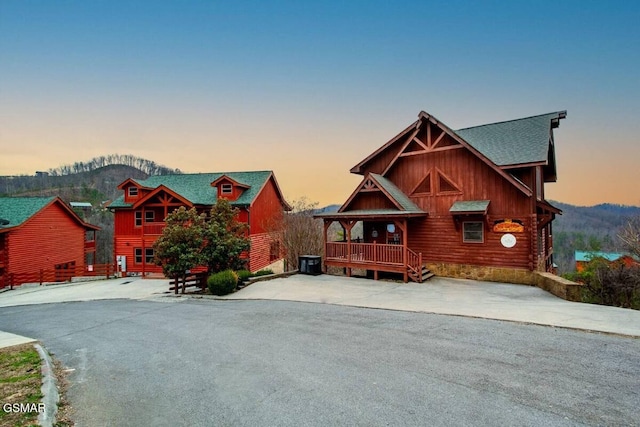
(372,241)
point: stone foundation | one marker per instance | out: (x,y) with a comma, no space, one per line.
(479,272)
(551,283)
(559,286)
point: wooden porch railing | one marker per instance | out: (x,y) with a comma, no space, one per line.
(414,263)
(153,228)
(365,253)
(57,275)
(89,246)
(362,255)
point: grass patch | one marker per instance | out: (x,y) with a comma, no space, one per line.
(20,382)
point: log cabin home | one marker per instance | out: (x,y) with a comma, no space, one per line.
(468,203)
(43,239)
(141,210)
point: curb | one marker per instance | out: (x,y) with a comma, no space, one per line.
(50,396)
(271,277)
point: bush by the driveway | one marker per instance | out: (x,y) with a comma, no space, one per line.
(222,283)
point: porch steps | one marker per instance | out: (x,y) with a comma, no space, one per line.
(425,275)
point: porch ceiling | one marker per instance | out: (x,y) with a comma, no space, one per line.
(372,214)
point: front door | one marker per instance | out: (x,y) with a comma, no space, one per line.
(394,235)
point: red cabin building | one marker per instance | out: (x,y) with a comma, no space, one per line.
(140,213)
(42,239)
(466,203)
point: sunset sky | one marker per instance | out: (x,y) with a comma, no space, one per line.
(310,88)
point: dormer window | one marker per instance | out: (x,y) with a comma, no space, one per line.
(228,188)
(133,191)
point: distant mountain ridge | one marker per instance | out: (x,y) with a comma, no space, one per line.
(582,218)
(149,167)
(91,181)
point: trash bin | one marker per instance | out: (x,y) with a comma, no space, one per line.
(310,264)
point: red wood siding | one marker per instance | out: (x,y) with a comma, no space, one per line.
(266,207)
(371,200)
(128,237)
(124,223)
(235,191)
(437,236)
(439,240)
(50,237)
(260,254)
(475,180)
(126,245)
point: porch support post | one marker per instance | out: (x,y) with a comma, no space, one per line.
(403,228)
(144,264)
(348,225)
(327,223)
(95,247)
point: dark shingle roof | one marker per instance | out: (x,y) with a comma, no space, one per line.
(513,142)
(470,206)
(197,187)
(396,193)
(17,210)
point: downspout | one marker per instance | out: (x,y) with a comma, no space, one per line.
(249,235)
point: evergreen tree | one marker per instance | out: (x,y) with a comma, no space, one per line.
(179,248)
(225,239)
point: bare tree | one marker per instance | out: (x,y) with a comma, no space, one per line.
(298,231)
(630,235)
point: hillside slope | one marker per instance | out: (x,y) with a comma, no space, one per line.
(587,228)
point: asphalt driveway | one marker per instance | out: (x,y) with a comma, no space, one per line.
(138,355)
(190,362)
(471,298)
(500,301)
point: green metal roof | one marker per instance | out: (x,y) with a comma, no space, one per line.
(197,187)
(396,193)
(513,142)
(586,256)
(17,210)
(470,206)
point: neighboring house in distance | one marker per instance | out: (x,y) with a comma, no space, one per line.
(467,203)
(42,235)
(140,213)
(585,257)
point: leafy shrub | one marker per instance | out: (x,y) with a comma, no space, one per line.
(244,275)
(610,284)
(264,272)
(222,283)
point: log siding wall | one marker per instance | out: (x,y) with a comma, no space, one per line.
(438,236)
(49,238)
(259,215)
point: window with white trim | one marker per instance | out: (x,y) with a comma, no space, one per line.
(137,252)
(473,232)
(226,188)
(149,216)
(138,218)
(148,255)
(133,191)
